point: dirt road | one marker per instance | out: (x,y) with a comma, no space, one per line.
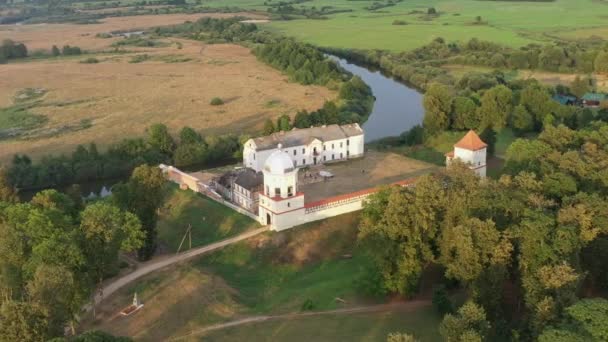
(410,305)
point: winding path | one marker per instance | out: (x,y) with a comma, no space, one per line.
(156,264)
(410,305)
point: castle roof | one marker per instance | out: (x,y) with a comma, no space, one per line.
(304,136)
(471,142)
(249,179)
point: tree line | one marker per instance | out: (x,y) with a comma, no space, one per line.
(480,101)
(527,247)
(11,50)
(87,163)
(422,66)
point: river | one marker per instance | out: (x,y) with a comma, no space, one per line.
(397,109)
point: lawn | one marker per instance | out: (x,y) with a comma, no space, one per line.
(211,221)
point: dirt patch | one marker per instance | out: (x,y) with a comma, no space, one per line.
(120,99)
(44,36)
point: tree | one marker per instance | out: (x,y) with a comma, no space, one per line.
(7,191)
(522,121)
(579,86)
(268,127)
(159,138)
(469,324)
(23,321)
(441,301)
(464,114)
(488,135)
(496,106)
(437,105)
(142,195)
(537,101)
(55,51)
(284,123)
(108,230)
(56,290)
(301,120)
(601,62)
(187,135)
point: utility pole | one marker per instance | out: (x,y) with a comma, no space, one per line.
(188,233)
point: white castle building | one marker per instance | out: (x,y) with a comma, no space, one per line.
(472,151)
(307,146)
(273,197)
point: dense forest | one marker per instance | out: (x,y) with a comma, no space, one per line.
(526,247)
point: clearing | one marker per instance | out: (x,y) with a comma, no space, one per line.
(125,92)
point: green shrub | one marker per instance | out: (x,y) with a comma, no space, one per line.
(399,22)
(308,305)
(139,58)
(90,60)
(216,101)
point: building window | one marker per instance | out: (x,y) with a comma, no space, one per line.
(289,191)
(324,148)
(277,192)
(324,158)
(267,190)
(341,155)
(332,146)
(295,162)
(288,204)
(254,156)
(340,144)
(303,151)
(347,153)
(303,161)
(347,142)
(294,152)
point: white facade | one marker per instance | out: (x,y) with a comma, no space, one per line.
(311,146)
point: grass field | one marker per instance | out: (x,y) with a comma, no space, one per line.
(118,98)
(275,273)
(508,22)
(210,220)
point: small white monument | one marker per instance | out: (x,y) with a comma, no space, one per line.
(134,307)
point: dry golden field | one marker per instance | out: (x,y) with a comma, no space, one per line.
(120,99)
(43,36)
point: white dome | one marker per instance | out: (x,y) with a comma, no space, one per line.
(278,163)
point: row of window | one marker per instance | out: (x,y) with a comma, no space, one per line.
(277,191)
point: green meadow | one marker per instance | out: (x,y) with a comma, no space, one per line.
(513,23)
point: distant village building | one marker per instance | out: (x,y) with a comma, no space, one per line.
(472,151)
(594,99)
(307,146)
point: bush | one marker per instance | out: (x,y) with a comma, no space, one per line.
(308,305)
(90,60)
(216,101)
(139,58)
(399,22)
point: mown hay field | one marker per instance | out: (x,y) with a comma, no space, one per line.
(116,98)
